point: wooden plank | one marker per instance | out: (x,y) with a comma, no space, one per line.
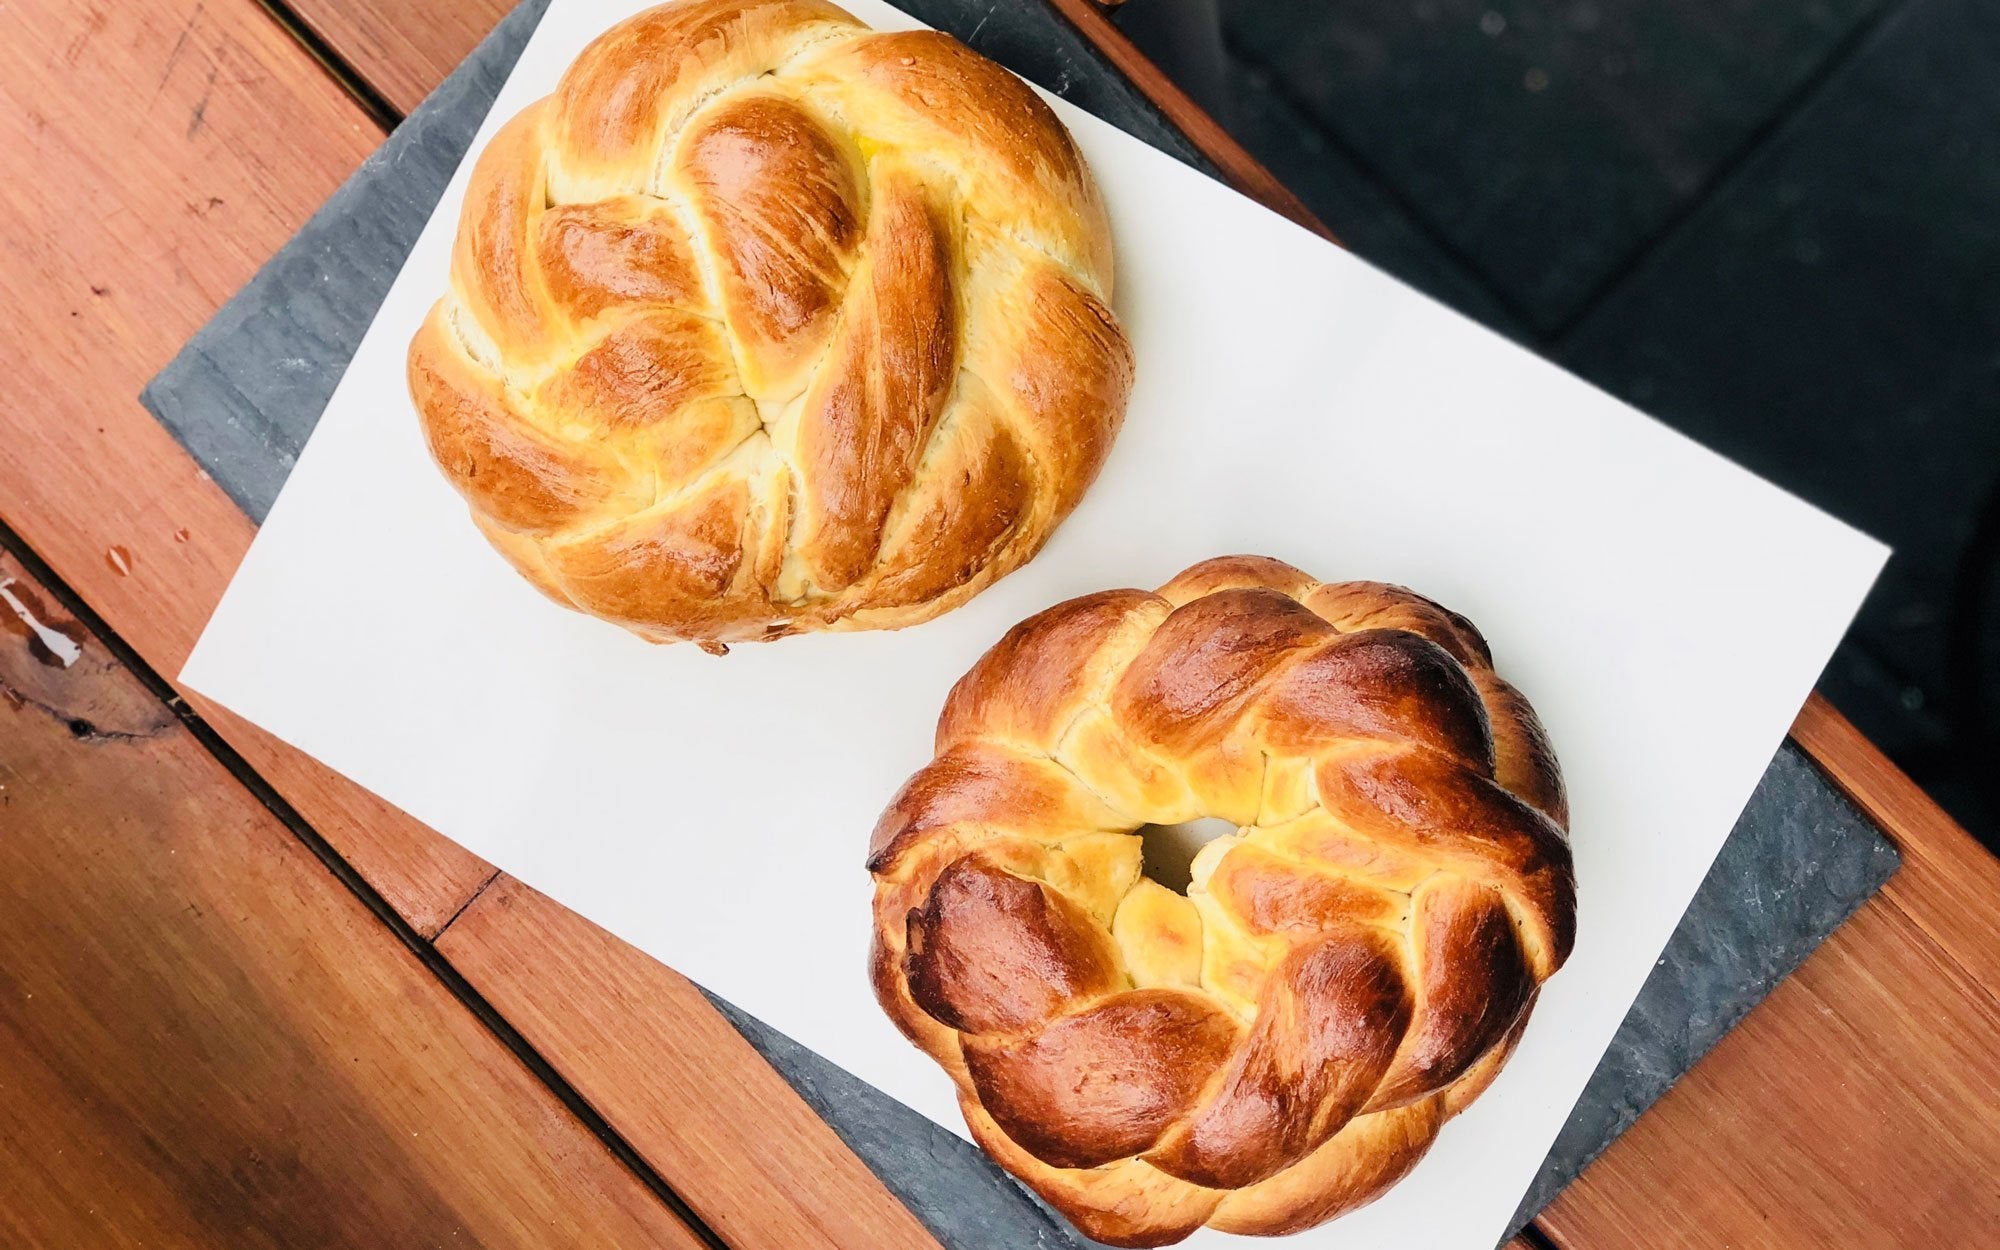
(154,155)
(208,1040)
(1856,1105)
(1950,885)
(618,1026)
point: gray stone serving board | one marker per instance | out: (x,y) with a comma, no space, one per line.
(245,393)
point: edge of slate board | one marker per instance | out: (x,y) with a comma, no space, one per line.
(246,391)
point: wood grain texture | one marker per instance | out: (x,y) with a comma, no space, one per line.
(208,1040)
(154,155)
(1856,1105)
(642,1045)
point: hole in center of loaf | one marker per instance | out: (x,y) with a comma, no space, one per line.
(1168,851)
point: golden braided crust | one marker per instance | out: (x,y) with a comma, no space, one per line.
(765,322)
(1281,1043)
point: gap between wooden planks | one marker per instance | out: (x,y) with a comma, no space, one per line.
(156,154)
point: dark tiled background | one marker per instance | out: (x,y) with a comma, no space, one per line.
(1774,224)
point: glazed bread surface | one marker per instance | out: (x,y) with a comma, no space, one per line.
(1281,1042)
(766,322)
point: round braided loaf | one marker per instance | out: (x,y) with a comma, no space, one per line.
(1282,1042)
(765,322)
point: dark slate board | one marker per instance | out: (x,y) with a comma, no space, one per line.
(246,392)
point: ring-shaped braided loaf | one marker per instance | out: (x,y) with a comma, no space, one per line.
(1281,1043)
(766,322)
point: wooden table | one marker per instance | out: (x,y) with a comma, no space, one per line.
(243,1003)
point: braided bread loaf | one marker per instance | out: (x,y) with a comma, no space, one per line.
(1281,1043)
(765,322)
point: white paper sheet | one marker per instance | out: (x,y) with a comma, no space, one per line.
(1666,612)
